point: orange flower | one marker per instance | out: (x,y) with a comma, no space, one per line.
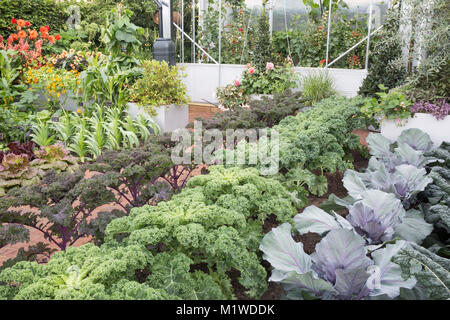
(22,34)
(15,37)
(33,34)
(58,37)
(51,39)
(21,23)
(44,35)
(43,29)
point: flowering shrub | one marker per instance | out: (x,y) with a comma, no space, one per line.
(231,96)
(439,108)
(28,42)
(389,105)
(55,81)
(273,79)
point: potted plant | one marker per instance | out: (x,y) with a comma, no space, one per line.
(161,94)
(395,113)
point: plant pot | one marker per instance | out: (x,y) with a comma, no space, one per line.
(168,118)
(438,130)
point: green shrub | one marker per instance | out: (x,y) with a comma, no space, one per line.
(387,65)
(161,85)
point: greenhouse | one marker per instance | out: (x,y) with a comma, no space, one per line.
(232,150)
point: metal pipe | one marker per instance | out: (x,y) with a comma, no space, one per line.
(328,33)
(365,38)
(195,44)
(220,43)
(182,33)
(368,33)
(193,30)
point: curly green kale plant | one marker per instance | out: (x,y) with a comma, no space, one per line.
(216,221)
(112,271)
(316,141)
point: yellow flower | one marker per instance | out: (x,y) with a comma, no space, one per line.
(79,111)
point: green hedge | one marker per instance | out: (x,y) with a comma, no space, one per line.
(38,12)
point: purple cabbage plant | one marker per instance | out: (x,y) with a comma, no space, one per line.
(341,267)
(378,217)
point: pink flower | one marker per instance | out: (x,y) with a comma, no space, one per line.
(270,66)
(237,83)
(398,120)
(251,70)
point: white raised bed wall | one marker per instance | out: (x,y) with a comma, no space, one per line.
(203,80)
(438,130)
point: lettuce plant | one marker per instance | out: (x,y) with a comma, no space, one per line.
(340,267)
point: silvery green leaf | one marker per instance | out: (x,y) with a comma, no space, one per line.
(293,282)
(379,145)
(351,283)
(353,182)
(416,139)
(413,227)
(283,252)
(388,278)
(315,220)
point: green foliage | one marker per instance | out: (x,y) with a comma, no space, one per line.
(431,271)
(214,223)
(215,220)
(120,36)
(263,113)
(306,40)
(430,78)
(261,42)
(161,85)
(317,140)
(387,66)
(113,271)
(317,86)
(388,105)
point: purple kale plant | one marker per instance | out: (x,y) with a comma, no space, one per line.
(439,108)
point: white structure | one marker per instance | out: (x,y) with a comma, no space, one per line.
(203,80)
(438,130)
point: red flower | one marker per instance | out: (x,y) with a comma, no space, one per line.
(13,21)
(27,23)
(21,23)
(33,34)
(22,34)
(48,28)
(58,37)
(43,29)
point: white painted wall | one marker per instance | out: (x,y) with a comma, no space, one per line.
(202,80)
